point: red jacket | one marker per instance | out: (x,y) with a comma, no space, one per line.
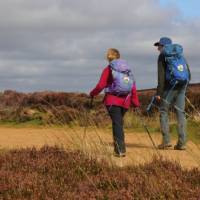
(109,99)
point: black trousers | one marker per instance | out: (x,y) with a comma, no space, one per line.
(116,114)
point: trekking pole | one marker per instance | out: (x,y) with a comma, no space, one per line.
(146,128)
(193,107)
(153,103)
(150,104)
(178,108)
(91,102)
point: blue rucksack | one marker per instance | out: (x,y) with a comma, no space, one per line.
(122,78)
(176,69)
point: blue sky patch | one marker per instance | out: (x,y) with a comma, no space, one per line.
(189,8)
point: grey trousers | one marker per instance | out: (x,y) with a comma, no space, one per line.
(174,97)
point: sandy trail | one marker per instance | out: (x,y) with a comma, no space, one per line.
(99,143)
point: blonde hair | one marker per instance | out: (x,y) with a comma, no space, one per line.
(112,54)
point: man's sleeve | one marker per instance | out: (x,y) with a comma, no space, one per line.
(161,75)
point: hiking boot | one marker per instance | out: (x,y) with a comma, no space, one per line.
(164,146)
(179,147)
(120,154)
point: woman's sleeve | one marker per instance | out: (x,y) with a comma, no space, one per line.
(103,81)
(134,97)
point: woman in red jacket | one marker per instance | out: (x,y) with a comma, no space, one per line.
(116,103)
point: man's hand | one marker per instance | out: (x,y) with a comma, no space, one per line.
(158,98)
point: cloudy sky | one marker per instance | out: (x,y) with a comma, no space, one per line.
(60,45)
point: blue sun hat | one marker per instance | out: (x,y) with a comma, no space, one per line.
(163,41)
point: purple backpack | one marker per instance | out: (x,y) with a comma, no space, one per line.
(123,79)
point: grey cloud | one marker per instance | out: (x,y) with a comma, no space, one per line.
(50,44)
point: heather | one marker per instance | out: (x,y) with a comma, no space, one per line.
(72,108)
(53,173)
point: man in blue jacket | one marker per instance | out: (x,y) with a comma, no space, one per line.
(168,95)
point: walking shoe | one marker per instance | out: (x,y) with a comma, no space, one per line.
(179,147)
(164,146)
(120,154)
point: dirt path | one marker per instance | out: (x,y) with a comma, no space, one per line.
(99,143)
